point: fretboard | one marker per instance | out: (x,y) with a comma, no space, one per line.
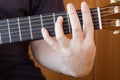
(29,27)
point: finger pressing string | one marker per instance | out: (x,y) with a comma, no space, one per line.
(87,21)
(48,38)
(76,27)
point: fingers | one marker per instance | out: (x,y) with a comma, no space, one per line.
(48,38)
(59,29)
(61,38)
(88,29)
(77,33)
(75,23)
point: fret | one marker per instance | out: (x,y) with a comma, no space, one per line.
(14,30)
(19,29)
(41,18)
(36,27)
(30,27)
(4,31)
(54,19)
(9,30)
(0,39)
(49,23)
(65,22)
(25,28)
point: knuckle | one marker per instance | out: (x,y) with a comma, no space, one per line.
(91,47)
(59,38)
(77,29)
(51,44)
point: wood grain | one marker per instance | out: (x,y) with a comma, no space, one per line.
(107,64)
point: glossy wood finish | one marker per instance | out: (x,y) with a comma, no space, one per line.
(107,64)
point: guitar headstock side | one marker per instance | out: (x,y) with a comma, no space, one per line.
(110,17)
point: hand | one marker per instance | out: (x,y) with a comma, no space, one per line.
(77,53)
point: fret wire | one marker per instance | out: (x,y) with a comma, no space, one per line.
(54,18)
(44,19)
(97,17)
(0,39)
(19,29)
(64,17)
(9,30)
(31,34)
(41,21)
(27,32)
(48,23)
(37,24)
(49,30)
(26,35)
(52,31)
(36,29)
(40,36)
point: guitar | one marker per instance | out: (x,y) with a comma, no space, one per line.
(29,27)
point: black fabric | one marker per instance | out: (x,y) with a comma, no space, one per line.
(14,57)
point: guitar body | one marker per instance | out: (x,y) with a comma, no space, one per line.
(107,64)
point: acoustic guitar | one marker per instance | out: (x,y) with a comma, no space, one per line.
(29,27)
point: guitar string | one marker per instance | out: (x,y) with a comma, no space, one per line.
(39,20)
(65,13)
(35,20)
(51,27)
(34,33)
(50,23)
(37,33)
(104,8)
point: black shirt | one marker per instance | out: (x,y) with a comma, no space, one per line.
(14,57)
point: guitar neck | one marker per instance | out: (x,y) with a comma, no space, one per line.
(29,28)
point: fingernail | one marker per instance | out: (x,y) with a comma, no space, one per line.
(84,5)
(70,5)
(60,18)
(42,30)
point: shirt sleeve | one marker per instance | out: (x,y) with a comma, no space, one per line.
(47,6)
